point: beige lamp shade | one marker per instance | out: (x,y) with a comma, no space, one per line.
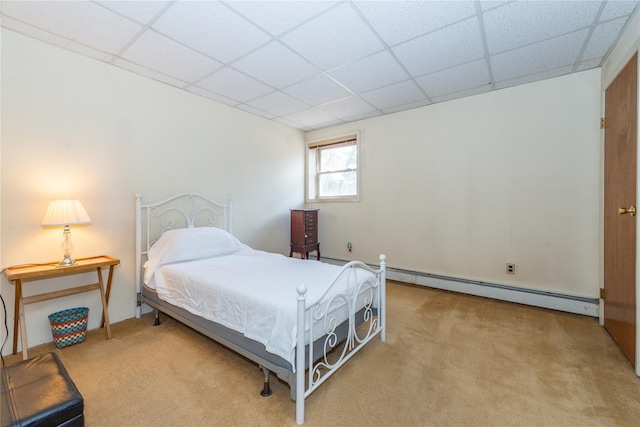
(65,212)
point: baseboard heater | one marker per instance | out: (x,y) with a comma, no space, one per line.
(533,297)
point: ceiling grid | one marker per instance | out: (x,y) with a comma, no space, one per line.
(314,64)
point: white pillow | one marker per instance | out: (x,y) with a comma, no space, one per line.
(187,244)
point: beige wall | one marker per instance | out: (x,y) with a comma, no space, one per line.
(463,187)
(74,127)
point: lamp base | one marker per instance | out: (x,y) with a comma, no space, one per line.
(67,246)
(67,262)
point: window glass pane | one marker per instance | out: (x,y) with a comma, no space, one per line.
(332,170)
(338,158)
(335,184)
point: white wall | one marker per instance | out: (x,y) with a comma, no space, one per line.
(73,127)
(463,187)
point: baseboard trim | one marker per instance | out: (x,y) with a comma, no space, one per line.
(533,297)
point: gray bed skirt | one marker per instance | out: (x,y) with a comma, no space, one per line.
(236,341)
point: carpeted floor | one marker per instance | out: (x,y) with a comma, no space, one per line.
(449,360)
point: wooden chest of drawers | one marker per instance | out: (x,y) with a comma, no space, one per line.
(304,232)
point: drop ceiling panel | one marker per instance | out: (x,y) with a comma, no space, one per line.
(529,78)
(278,17)
(492,4)
(318,90)
(353,59)
(211,28)
(356,76)
(257,112)
(261,65)
(235,85)
(463,94)
(147,72)
(334,38)
(405,107)
(347,107)
(402,93)
(548,55)
(602,38)
(617,9)
(54,39)
(83,22)
(214,96)
(399,21)
(278,103)
(585,65)
(524,23)
(139,11)
(155,51)
(445,48)
(452,80)
(312,118)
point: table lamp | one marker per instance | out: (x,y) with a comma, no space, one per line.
(66,212)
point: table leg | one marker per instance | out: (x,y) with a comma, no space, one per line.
(23,331)
(109,280)
(105,312)
(16,315)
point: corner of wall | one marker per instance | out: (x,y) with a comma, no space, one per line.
(622,52)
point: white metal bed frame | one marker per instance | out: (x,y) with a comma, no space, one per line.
(311,368)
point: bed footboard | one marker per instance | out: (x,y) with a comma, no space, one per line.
(322,315)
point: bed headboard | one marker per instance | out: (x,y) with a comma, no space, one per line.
(185,210)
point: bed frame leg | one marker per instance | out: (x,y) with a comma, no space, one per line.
(266,391)
(157,320)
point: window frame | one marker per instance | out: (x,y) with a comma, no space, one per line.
(312,176)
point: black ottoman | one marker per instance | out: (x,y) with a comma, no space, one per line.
(39,392)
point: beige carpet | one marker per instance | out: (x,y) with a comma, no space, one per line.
(449,360)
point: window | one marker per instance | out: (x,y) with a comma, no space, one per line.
(332,170)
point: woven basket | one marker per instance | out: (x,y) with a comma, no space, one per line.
(69,327)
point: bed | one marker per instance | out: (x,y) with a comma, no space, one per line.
(191,267)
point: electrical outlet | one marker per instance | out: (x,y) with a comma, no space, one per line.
(511,268)
(349,246)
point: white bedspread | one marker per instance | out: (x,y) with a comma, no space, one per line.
(250,291)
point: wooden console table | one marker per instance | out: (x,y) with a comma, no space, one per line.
(26,273)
